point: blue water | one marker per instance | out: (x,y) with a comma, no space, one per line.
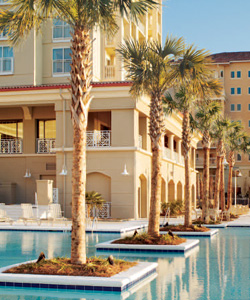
(219,269)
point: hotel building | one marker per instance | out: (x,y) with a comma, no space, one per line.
(36,127)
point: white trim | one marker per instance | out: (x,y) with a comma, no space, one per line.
(60,39)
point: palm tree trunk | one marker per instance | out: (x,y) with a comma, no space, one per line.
(231,161)
(186,142)
(81,77)
(222,189)
(155,131)
(205,202)
(217,183)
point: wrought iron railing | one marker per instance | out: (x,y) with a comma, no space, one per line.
(98,138)
(101,212)
(55,195)
(11,146)
(46,145)
(109,72)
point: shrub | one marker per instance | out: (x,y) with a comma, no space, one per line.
(175,207)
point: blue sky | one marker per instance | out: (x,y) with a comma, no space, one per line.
(216,25)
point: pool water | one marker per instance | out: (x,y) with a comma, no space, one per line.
(218,269)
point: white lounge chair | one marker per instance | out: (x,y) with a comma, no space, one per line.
(3,215)
(27,214)
(55,213)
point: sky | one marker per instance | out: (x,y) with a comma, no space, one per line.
(216,25)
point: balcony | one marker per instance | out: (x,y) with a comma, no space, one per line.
(167,154)
(98,138)
(46,146)
(109,72)
(200,161)
(11,146)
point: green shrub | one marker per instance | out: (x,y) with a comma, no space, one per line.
(176,207)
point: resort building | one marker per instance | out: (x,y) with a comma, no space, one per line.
(36,128)
(233,69)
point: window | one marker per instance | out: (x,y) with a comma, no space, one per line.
(11,130)
(248,123)
(238,107)
(61,61)
(238,74)
(4,35)
(232,91)
(249,160)
(248,106)
(249,90)
(232,74)
(238,91)
(238,157)
(248,73)
(232,107)
(221,73)
(61,30)
(6,60)
(46,129)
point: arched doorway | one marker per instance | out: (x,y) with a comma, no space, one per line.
(163,190)
(142,198)
(171,191)
(100,183)
(179,191)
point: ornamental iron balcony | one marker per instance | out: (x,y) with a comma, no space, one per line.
(98,138)
(46,146)
(11,146)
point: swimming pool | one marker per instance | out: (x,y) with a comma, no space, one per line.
(219,269)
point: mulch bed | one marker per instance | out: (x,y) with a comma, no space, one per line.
(184,228)
(145,239)
(62,266)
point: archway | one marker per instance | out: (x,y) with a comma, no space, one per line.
(163,190)
(100,183)
(179,191)
(142,198)
(171,191)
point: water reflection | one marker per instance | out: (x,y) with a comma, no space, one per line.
(219,269)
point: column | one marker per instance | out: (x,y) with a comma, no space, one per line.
(179,150)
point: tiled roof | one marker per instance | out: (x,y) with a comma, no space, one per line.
(226,57)
(60,86)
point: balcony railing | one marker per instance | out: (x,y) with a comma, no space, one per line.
(46,145)
(200,161)
(140,141)
(11,146)
(109,72)
(167,154)
(98,138)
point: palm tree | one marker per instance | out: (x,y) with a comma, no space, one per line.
(82,16)
(149,67)
(207,112)
(219,131)
(194,81)
(236,141)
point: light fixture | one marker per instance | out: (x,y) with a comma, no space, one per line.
(64,171)
(125,172)
(239,174)
(27,174)
(225,163)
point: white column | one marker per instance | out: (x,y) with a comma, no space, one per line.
(179,150)
(171,145)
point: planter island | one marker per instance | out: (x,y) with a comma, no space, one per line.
(139,248)
(181,230)
(117,283)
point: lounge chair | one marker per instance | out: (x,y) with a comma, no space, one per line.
(3,215)
(55,213)
(27,214)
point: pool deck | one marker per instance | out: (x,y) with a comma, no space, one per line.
(123,226)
